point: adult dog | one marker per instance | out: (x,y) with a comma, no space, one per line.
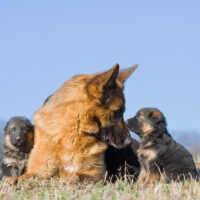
(74,127)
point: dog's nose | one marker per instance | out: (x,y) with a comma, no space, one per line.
(18,138)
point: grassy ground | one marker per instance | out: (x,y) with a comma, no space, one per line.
(55,189)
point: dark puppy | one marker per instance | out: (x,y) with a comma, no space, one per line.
(18,143)
(158,153)
(122,162)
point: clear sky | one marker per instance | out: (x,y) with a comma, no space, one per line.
(43,43)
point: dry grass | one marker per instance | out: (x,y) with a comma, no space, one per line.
(121,190)
(56,189)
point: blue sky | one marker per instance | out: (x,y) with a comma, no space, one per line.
(44,43)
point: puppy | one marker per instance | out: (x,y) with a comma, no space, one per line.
(18,142)
(158,153)
(121,163)
(75,126)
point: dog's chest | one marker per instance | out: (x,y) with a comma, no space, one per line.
(147,154)
(15,159)
(13,167)
(14,162)
(91,163)
(17,155)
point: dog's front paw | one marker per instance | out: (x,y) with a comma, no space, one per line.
(11,180)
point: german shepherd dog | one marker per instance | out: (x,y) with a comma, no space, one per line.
(74,127)
(158,153)
(120,162)
(18,142)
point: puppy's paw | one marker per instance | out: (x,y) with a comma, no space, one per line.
(11,180)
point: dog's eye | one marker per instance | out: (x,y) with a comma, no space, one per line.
(12,131)
(23,130)
(118,114)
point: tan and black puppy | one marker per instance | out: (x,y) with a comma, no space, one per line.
(158,153)
(18,143)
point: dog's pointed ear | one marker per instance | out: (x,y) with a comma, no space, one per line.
(125,73)
(6,127)
(108,79)
(155,114)
(103,83)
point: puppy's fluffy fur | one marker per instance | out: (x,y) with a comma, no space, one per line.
(121,163)
(74,127)
(18,142)
(158,153)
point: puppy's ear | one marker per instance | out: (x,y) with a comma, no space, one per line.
(6,127)
(125,73)
(158,118)
(157,115)
(103,84)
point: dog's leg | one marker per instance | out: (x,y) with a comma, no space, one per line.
(152,178)
(142,176)
(75,177)
(148,177)
(41,164)
(14,180)
(69,177)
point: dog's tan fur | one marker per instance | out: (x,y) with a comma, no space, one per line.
(68,127)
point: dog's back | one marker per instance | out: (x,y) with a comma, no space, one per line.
(178,162)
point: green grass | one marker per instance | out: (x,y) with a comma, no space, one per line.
(121,190)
